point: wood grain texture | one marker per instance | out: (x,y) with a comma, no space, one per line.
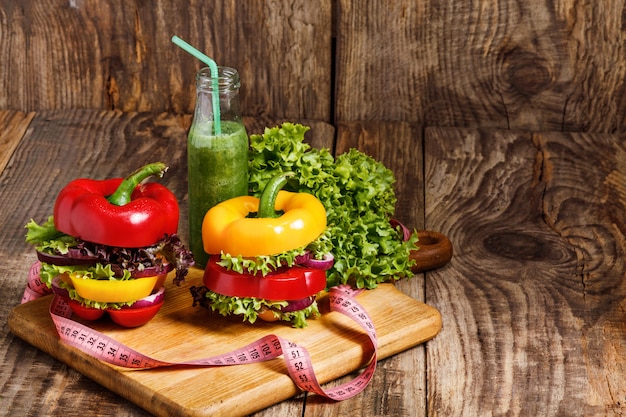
(13,125)
(511,64)
(58,147)
(399,385)
(534,299)
(118,55)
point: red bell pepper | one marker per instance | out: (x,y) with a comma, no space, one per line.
(289,284)
(118,212)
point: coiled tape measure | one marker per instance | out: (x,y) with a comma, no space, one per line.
(297,358)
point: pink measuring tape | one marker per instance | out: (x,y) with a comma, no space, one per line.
(297,358)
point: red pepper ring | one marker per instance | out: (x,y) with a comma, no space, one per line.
(134,317)
(126,317)
(293,284)
(83,211)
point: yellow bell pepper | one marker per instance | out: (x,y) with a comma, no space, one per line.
(226,227)
(108,291)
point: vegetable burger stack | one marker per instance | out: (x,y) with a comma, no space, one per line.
(110,245)
(268,256)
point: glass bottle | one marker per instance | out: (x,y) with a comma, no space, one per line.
(217,162)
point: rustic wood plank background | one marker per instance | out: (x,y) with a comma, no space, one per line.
(118,55)
(13,125)
(514,64)
(511,64)
(542,289)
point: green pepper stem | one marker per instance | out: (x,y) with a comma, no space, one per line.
(122,195)
(269,194)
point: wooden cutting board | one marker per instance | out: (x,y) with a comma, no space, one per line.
(180,332)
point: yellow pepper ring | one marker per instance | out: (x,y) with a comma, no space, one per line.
(227,229)
(108,291)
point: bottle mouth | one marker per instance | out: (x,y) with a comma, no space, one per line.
(228,79)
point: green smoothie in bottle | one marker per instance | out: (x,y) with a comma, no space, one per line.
(217,156)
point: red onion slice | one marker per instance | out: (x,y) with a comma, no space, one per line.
(406,233)
(73,257)
(300,259)
(295,305)
(155,298)
(58,290)
(325,263)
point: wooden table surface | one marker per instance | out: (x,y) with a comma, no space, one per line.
(533,302)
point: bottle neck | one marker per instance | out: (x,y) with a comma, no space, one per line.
(228,90)
(227,80)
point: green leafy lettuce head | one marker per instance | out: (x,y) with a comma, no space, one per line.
(358,194)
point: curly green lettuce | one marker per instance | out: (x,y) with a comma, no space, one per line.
(47,239)
(359,197)
(264,264)
(249,308)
